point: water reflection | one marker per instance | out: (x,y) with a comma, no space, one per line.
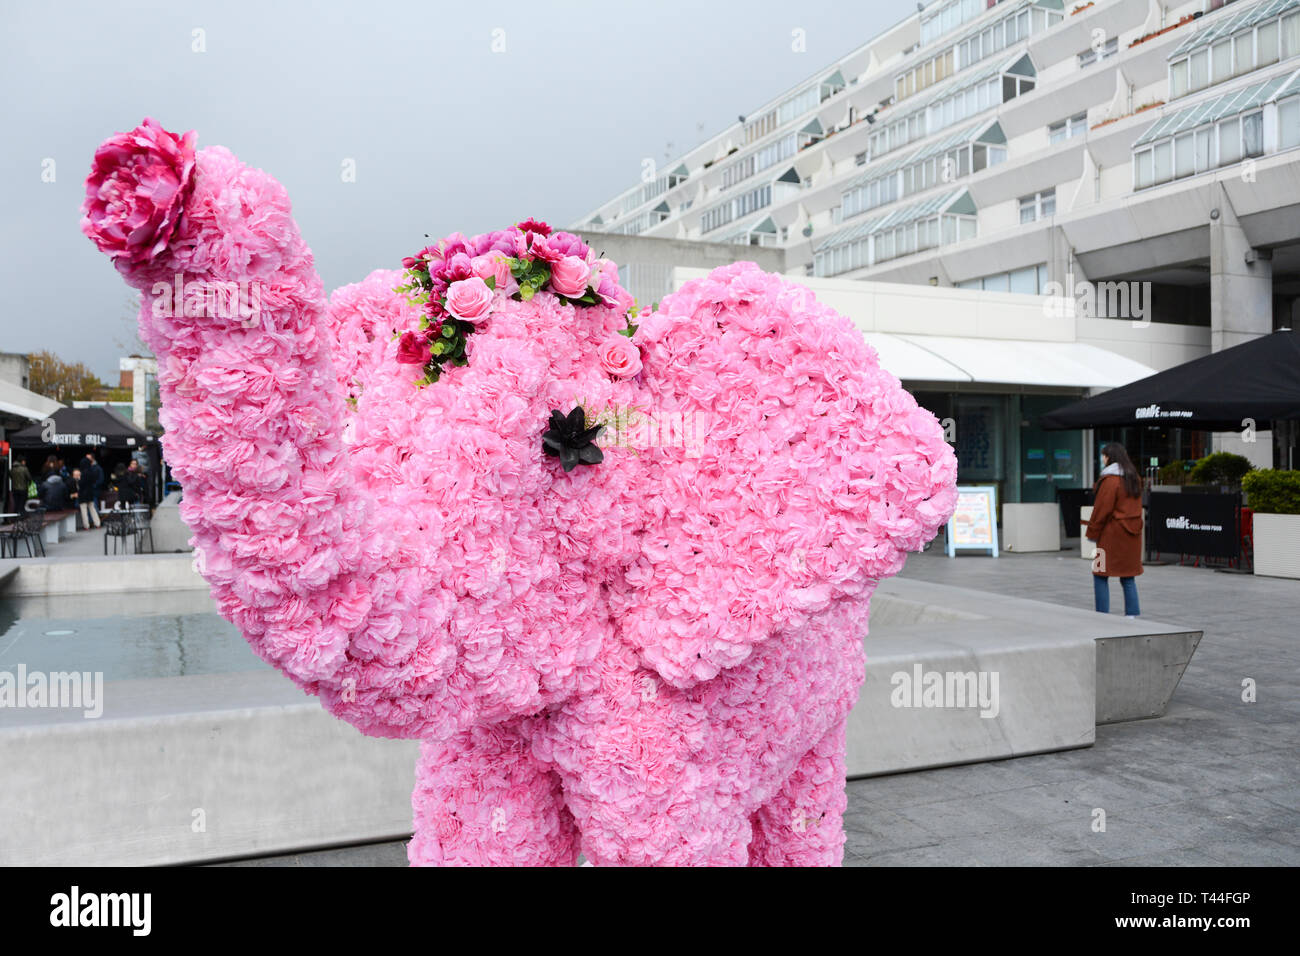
(124,636)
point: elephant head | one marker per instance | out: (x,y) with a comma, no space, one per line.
(430,555)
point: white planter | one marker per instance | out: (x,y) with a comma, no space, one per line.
(1087,549)
(1031,526)
(1277,545)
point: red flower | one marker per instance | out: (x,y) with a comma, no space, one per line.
(413,349)
(532,225)
(136,192)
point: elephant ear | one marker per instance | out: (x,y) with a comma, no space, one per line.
(804,473)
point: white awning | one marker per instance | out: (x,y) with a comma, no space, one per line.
(949,358)
(909,361)
(15,400)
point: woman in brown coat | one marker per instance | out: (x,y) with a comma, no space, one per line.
(1116,526)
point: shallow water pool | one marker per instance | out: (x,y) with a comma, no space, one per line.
(122,636)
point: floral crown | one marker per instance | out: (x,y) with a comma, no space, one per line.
(457,281)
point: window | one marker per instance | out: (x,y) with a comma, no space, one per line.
(1024,281)
(1092,55)
(1038,206)
(1252,134)
(1221,61)
(1184,155)
(1290,27)
(1142,176)
(1065,129)
(860,159)
(760,127)
(1229,141)
(1031,280)
(1250,48)
(1163,157)
(1266,38)
(1204,149)
(1288,123)
(797,105)
(1178,79)
(742,205)
(1243,52)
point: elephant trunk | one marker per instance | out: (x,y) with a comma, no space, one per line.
(234,311)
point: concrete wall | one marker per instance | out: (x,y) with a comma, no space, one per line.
(119,573)
(14,368)
(646,264)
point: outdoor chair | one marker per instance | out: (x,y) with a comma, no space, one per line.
(119,526)
(141,518)
(29,529)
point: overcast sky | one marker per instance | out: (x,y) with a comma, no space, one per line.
(446,134)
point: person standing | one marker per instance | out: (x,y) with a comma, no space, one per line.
(74,493)
(130,484)
(92,479)
(20,481)
(1116,526)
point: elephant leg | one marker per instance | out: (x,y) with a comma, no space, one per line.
(483,799)
(803,824)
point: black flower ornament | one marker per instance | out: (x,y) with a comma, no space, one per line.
(570,440)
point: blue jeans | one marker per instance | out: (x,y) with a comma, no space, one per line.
(1101,587)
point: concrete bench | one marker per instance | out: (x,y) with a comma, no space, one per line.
(56,524)
(268,771)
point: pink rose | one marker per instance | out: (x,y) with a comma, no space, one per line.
(136,192)
(619,357)
(569,276)
(413,349)
(494,265)
(469,299)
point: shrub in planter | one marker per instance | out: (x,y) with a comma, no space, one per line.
(1174,473)
(1273,491)
(1220,468)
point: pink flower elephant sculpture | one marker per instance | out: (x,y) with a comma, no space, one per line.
(641,647)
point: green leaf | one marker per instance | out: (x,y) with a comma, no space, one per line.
(491,282)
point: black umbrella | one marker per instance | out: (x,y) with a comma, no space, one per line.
(82,427)
(1257,380)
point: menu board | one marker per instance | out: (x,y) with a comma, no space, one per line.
(973,525)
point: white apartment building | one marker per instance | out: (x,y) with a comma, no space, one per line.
(1028,147)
